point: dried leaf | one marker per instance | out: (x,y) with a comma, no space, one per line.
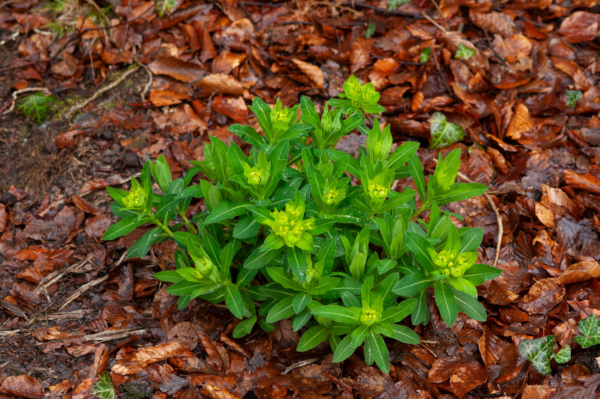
(520,123)
(183,71)
(467,377)
(312,72)
(543,296)
(22,386)
(221,84)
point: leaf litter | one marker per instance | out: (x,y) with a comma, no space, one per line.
(512,86)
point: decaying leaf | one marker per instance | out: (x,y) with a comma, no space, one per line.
(444,133)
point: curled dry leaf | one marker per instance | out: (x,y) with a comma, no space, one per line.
(85,206)
(383,68)
(467,377)
(233,107)
(221,84)
(183,71)
(218,393)
(581,26)
(443,368)
(543,296)
(22,386)
(520,123)
(586,182)
(544,214)
(226,62)
(132,363)
(579,272)
(494,22)
(498,159)
(312,72)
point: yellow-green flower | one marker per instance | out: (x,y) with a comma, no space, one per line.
(136,199)
(378,191)
(369,317)
(254,176)
(451,263)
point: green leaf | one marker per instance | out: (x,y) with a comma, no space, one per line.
(376,349)
(323,286)
(444,133)
(464,53)
(344,350)
(301,319)
(370,30)
(394,4)
(420,313)
(444,299)
(412,285)
(259,259)
(170,276)
(104,388)
(246,228)
(36,106)
(339,314)
(406,335)
(470,240)
(418,246)
(425,54)
(234,302)
(300,301)
(469,305)
(298,263)
(313,337)
(282,310)
(563,355)
(590,331)
(402,154)
(416,171)
(146,241)
(480,273)
(121,228)
(459,192)
(395,314)
(227,210)
(244,327)
(573,97)
(539,352)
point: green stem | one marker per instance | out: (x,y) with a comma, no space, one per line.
(416,215)
(189,224)
(162,226)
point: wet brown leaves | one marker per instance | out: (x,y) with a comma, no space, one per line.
(520,122)
(22,386)
(134,362)
(543,296)
(581,26)
(586,182)
(467,377)
(312,72)
(183,71)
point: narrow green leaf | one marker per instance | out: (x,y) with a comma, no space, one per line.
(313,337)
(444,299)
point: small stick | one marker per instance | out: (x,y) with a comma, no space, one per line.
(97,94)
(440,27)
(300,364)
(44,91)
(81,290)
(150,79)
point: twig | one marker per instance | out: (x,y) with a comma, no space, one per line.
(97,94)
(241,3)
(381,10)
(114,334)
(150,78)
(300,364)
(81,290)
(488,395)
(441,13)
(44,91)
(440,27)
(54,277)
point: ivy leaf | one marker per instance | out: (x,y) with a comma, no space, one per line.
(104,389)
(36,106)
(563,355)
(444,133)
(425,54)
(590,332)
(464,53)
(573,96)
(539,352)
(394,4)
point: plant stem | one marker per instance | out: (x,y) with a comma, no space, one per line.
(165,228)
(189,224)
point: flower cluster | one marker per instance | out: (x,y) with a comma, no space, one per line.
(136,199)
(451,263)
(369,317)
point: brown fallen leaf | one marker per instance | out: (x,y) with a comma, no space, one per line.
(183,71)
(443,368)
(467,377)
(545,215)
(221,84)
(579,272)
(85,206)
(537,392)
(3,218)
(580,26)
(132,363)
(494,22)
(218,393)
(543,296)
(60,389)
(22,386)
(520,123)
(586,182)
(312,72)
(226,62)
(233,107)
(68,139)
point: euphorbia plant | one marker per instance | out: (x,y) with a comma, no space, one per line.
(283,227)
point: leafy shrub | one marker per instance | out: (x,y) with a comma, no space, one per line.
(284,227)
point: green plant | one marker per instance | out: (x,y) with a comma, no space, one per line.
(464,53)
(590,332)
(104,388)
(540,353)
(425,55)
(573,97)
(165,7)
(394,4)
(444,133)
(283,227)
(36,106)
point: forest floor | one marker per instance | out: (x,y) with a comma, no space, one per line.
(73,306)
